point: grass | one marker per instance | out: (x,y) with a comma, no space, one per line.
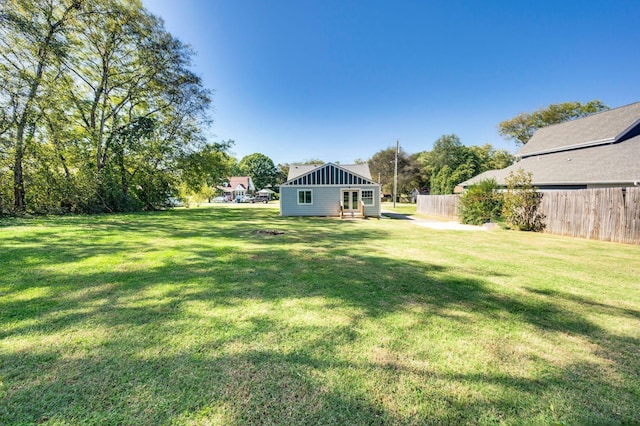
(402,208)
(192,317)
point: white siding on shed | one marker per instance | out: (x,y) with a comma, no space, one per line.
(326,184)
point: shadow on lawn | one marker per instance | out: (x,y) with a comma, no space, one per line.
(234,369)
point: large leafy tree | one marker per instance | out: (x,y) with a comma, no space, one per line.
(33,42)
(260,168)
(207,167)
(98,106)
(132,71)
(521,127)
(382,167)
(450,162)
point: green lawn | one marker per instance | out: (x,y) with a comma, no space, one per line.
(192,316)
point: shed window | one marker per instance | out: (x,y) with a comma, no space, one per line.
(367,197)
(305,196)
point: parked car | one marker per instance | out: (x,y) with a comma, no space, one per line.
(220,200)
(173,202)
(262,198)
(244,199)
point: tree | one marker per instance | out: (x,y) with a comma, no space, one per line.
(33,42)
(521,128)
(492,159)
(382,167)
(97,106)
(260,168)
(282,174)
(451,163)
(129,69)
(207,167)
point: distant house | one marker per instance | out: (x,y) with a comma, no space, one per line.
(330,190)
(238,187)
(600,150)
(416,192)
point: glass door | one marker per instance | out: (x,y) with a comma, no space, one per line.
(350,199)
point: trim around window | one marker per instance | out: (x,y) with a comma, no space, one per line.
(305,196)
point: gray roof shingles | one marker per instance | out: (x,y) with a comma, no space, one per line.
(586,151)
(615,163)
(602,127)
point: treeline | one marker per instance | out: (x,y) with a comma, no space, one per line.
(99,110)
(437,171)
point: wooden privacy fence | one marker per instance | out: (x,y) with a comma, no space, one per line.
(438,205)
(607,214)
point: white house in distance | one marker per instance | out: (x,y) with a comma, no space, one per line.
(330,190)
(238,187)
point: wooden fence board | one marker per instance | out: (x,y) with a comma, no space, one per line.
(607,214)
(438,205)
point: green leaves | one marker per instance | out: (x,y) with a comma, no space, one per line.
(97,95)
(260,168)
(522,127)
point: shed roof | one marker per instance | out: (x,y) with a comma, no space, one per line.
(296,170)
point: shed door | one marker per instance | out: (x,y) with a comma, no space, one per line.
(350,199)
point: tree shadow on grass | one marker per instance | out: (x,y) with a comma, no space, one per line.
(185,340)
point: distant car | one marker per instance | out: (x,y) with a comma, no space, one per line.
(173,202)
(220,200)
(261,199)
(244,199)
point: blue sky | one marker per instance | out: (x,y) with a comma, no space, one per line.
(338,80)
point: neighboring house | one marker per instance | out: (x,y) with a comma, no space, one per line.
(416,192)
(238,187)
(325,190)
(600,150)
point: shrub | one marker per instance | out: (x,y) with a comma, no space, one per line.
(521,202)
(481,203)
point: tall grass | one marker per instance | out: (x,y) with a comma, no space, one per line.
(192,316)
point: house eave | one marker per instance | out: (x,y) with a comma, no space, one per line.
(571,147)
(627,130)
(583,182)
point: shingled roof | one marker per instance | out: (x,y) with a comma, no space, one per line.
(600,149)
(296,170)
(595,129)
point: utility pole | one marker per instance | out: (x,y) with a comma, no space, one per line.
(395,176)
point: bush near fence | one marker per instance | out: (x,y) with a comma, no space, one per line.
(607,214)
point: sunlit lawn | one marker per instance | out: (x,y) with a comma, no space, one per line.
(192,316)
